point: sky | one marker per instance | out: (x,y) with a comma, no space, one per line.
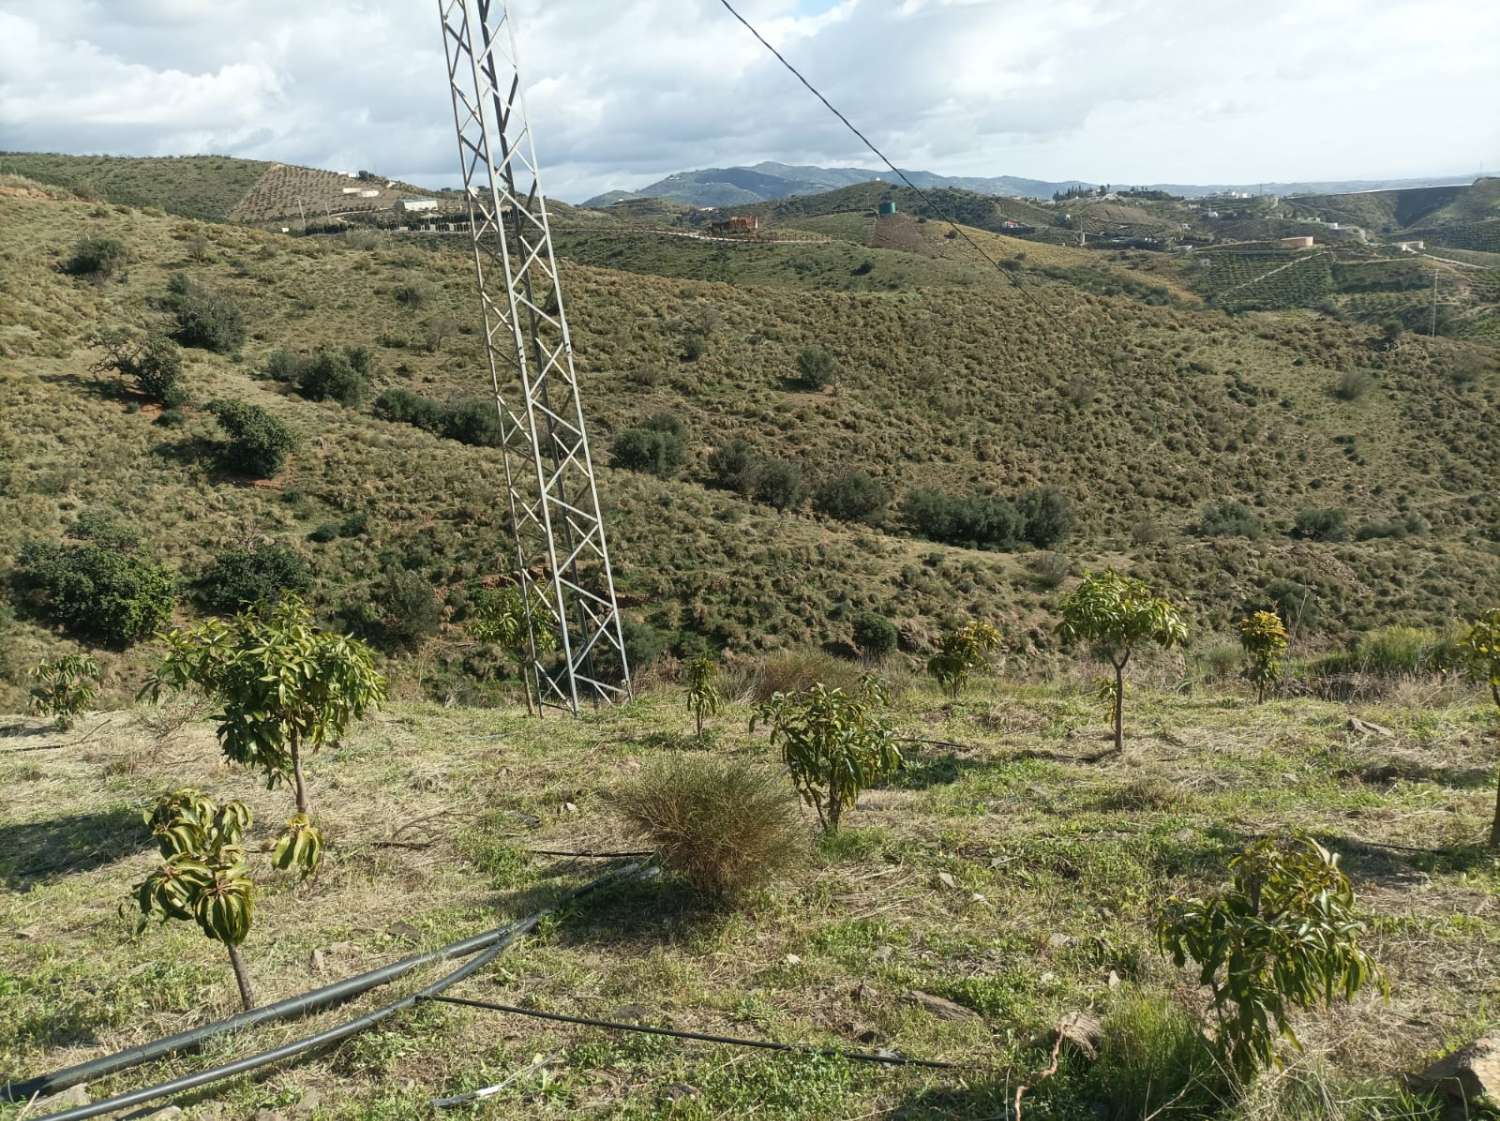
(622,92)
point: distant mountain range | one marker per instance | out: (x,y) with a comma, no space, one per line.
(766,182)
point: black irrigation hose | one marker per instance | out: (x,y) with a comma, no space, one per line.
(506,937)
(764,1044)
(282,1010)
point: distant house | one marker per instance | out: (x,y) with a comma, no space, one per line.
(1411,246)
(737,224)
(348,190)
(417,204)
(1303,242)
(368,194)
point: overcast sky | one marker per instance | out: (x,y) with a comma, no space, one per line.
(622,92)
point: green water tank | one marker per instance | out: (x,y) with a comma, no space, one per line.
(887,207)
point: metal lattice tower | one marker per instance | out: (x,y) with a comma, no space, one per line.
(562,560)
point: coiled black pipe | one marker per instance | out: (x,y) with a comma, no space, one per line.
(497,942)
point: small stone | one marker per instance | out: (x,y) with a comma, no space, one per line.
(679,1091)
(310,1101)
(26,935)
(1368,728)
(1114,979)
(629,1014)
(977,898)
(946,880)
(404,930)
(569,807)
(864,993)
(341,948)
(73,1095)
(1078,1030)
(1047,978)
(883,953)
(941,1007)
(315,962)
(1056,941)
(792,959)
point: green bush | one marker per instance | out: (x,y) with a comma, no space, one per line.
(1154,1060)
(97,257)
(65,686)
(283,365)
(1322,525)
(978,523)
(1352,385)
(658,446)
(875,635)
(735,466)
(854,496)
(778,484)
(815,367)
(96,590)
(405,407)
(724,827)
(413,295)
(473,421)
(329,375)
(206,319)
(1229,519)
(1409,525)
(241,578)
(158,371)
(258,442)
(408,611)
(1046,517)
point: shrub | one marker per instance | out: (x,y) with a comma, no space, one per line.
(791,671)
(283,687)
(1396,651)
(97,257)
(815,367)
(724,827)
(1352,385)
(979,523)
(875,635)
(413,295)
(1297,603)
(258,442)
(202,875)
(206,319)
(241,578)
(408,610)
(1229,519)
(1282,935)
(97,590)
(1115,614)
(154,364)
(854,496)
(406,407)
(283,365)
(835,744)
(329,375)
(474,421)
(658,446)
(1046,517)
(65,686)
(778,484)
(735,466)
(1409,525)
(643,643)
(1049,569)
(962,651)
(1264,640)
(1322,525)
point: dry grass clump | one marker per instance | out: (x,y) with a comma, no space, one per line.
(787,671)
(723,826)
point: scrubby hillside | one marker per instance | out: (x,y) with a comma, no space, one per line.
(1138,415)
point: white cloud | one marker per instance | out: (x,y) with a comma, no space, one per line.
(623,91)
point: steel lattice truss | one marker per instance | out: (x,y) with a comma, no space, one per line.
(562,560)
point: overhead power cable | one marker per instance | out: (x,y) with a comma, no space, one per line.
(865,140)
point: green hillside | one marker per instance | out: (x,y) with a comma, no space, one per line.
(1138,414)
(195,186)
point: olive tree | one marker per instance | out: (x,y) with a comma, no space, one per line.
(1263,637)
(202,875)
(499,616)
(1282,935)
(1481,650)
(1115,614)
(285,689)
(835,744)
(701,676)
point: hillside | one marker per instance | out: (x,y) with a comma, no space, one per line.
(1138,414)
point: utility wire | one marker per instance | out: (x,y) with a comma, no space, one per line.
(763,1044)
(945,215)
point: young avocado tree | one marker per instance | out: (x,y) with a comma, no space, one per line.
(962,651)
(499,616)
(701,676)
(64,687)
(1115,614)
(835,744)
(1283,934)
(1481,650)
(1263,637)
(285,689)
(202,876)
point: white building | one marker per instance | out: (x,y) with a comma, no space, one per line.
(417,204)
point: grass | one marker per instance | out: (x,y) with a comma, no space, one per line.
(1056,866)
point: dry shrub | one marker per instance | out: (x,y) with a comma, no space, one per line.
(788,671)
(723,826)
